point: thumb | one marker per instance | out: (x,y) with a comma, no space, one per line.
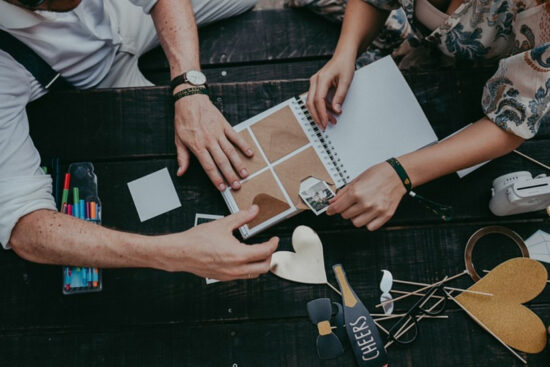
(243,217)
(340,95)
(183,157)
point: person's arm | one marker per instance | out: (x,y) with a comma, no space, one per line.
(36,232)
(208,250)
(200,127)
(362,23)
(372,198)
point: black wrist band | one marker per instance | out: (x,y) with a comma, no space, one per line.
(180,79)
(190,92)
(401,173)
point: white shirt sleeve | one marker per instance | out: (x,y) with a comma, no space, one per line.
(147,5)
(24,188)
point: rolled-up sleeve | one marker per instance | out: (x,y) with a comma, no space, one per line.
(147,5)
(384,4)
(24,188)
(517,97)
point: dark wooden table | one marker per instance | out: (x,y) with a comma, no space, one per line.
(152,318)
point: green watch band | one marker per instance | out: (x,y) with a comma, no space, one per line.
(190,92)
(401,173)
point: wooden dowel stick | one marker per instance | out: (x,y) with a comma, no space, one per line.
(400,331)
(416,294)
(531,159)
(410,326)
(486,328)
(389,317)
(334,289)
(448,288)
(381,328)
(446,279)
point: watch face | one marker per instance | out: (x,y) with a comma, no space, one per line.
(195,77)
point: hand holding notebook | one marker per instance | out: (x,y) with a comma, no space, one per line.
(380,119)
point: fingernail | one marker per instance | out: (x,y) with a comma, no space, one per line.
(179,171)
(338,107)
(235,184)
(222,187)
(254,208)
(249,152)
(244,172)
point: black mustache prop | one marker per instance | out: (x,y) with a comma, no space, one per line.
(362,332)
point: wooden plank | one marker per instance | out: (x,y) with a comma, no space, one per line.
(456,341)
(125,123)
(302,69)
(260,36)
(149,297)
(468,196)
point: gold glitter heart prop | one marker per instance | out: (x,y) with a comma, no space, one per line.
(512,283)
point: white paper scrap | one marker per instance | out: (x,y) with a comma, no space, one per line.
(154,194)
(538,246)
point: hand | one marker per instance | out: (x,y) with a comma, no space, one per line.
(371,199)
(210,250)
(337,73)
(201,128)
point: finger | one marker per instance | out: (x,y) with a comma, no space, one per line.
(261,251)
(320,101)
(353,211)
(330,115)
(340,95)
(182,157)
(239,141)
(241,218)
(363,219)
(341,204)
(339,194)
(378,222)
(211,170)
(254,270)
(234,157)
(310,100)
(225,166)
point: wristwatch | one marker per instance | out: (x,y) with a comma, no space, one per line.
(193,77)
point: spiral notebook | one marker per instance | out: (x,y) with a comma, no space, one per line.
(381,118)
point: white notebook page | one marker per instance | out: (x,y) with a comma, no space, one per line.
(380,119)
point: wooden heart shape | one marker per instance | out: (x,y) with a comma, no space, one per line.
(306,264)
(512,283)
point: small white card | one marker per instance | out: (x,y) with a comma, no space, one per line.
(205,218)
(316,194)
(154,194)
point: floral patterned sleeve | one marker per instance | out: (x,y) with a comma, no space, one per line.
(384,4)
(517,97)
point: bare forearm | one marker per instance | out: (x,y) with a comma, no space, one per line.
(478,143)
(362,23)
(49,237)
(177,32)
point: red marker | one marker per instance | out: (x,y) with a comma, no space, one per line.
(66,184)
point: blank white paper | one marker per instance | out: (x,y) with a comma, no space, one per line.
(380,119)
(154,194)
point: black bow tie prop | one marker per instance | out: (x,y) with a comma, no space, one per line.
(320,313)
(362,332)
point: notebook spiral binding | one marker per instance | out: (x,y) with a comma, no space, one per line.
(337,167)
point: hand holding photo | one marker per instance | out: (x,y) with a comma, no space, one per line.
(316,194)
(205,218)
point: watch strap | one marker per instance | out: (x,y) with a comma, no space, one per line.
(180,79)
(190,92)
